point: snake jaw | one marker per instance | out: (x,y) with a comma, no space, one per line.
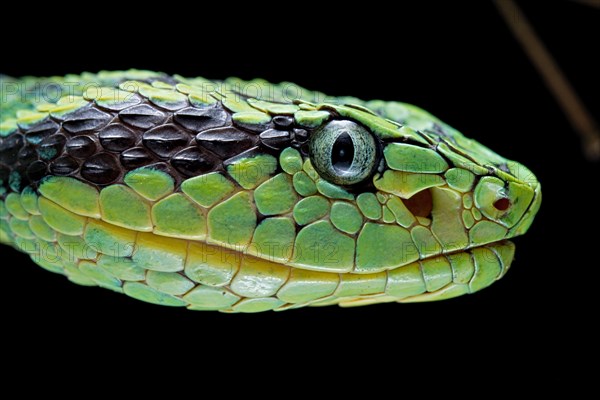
(489,263)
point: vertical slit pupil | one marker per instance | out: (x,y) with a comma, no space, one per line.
(342,152)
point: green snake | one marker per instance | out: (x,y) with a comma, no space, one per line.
(245,196)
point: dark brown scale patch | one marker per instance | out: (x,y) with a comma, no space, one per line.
(193,161)
(135,158)
(116,137)
(85,119)
(36,170)
(165,140)
(51,147)
(300,135)
(65,165)
(101,168)
(200,119)
(4,173)
(283,121)
(99,145)
(27,155)
(41,130)
(275,139)
(142,116)
(81,147)
(225,142)
(9,149)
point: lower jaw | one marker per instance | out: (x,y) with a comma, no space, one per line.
(440,277)
(176,272)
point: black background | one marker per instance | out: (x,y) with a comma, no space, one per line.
(459,62)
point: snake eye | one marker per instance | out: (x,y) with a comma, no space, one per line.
(343,152)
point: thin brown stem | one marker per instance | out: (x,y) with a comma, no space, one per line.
(578,115)
(593,3)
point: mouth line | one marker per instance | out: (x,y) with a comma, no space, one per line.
(465,250)
(453,274)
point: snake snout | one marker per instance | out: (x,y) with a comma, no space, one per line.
(508,200)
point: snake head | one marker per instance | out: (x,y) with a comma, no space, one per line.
(177,193)
(441,195)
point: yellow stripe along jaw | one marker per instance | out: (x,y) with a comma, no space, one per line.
(181,196)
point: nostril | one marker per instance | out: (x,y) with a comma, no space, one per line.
(502,204)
